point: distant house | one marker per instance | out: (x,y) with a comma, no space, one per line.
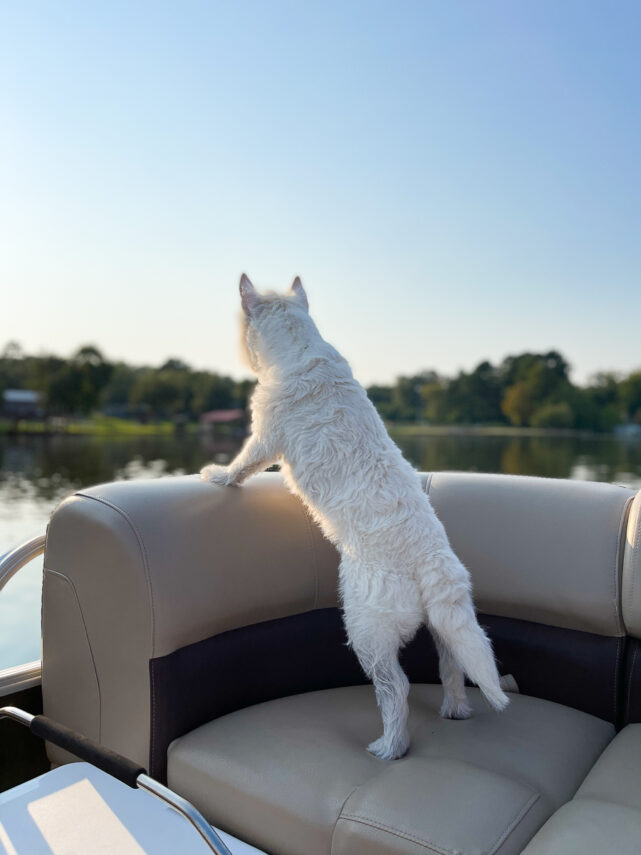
(208,421)
(21,404)
(218,417)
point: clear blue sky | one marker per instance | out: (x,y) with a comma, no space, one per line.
(453,181)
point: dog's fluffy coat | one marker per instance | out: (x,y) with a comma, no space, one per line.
(397,568)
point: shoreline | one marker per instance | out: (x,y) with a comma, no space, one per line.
(99,427)
(116,427)
(407,429)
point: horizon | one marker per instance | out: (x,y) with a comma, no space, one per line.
(453,184)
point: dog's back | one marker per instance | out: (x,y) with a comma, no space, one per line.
(339,458)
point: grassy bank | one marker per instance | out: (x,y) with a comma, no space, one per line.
(99,426)
(410,429)
(107,426)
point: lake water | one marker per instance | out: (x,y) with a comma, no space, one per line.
(38,472)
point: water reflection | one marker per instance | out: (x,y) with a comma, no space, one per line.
(36,473)
(594,459)
(54,464)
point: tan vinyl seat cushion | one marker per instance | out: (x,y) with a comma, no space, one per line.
(292,776)
(605,815)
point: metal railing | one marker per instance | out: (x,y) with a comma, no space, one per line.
(10,563)
(26,674)
(117,766)
(14,560)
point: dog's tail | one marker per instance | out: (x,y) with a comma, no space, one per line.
(450,612)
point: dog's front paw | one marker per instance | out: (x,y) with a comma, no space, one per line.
(215,474)
(390,749)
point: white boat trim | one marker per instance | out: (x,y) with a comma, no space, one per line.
(20,677)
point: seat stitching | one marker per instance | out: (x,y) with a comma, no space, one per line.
(84,625)
(366,820)
(145,559)
(147,572)
(517,819)
(340,812)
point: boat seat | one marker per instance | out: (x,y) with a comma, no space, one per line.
(292,776)
(197,630)
(605,814)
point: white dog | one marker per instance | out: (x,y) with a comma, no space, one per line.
(397,568)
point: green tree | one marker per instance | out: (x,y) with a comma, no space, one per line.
(553,416)
(474,398)
(406,398)
(630,396)
(14,367)
(519,403)
(90,372)
(174,364)
(117,392)
(381,397)
(434,400)
(162,394)
(543,372)
(211,392)
(605,394)
(531,381)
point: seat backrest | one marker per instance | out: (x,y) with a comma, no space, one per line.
(137,570)
(540,549)
(169,602)
(546,557)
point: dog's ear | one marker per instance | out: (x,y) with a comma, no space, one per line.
(249,298)
(299,292)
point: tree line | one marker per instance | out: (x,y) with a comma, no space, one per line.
(87,382)
(526,390)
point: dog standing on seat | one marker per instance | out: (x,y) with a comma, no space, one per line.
(397,569)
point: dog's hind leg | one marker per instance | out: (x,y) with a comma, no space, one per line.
(381,613)
(455,703)
(445,591)
(456,624)
(392,688)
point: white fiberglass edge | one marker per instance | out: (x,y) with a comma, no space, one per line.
(20,677)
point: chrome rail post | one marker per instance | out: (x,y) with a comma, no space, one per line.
(14,560)
(144,782)
(26,674)
(17,715)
